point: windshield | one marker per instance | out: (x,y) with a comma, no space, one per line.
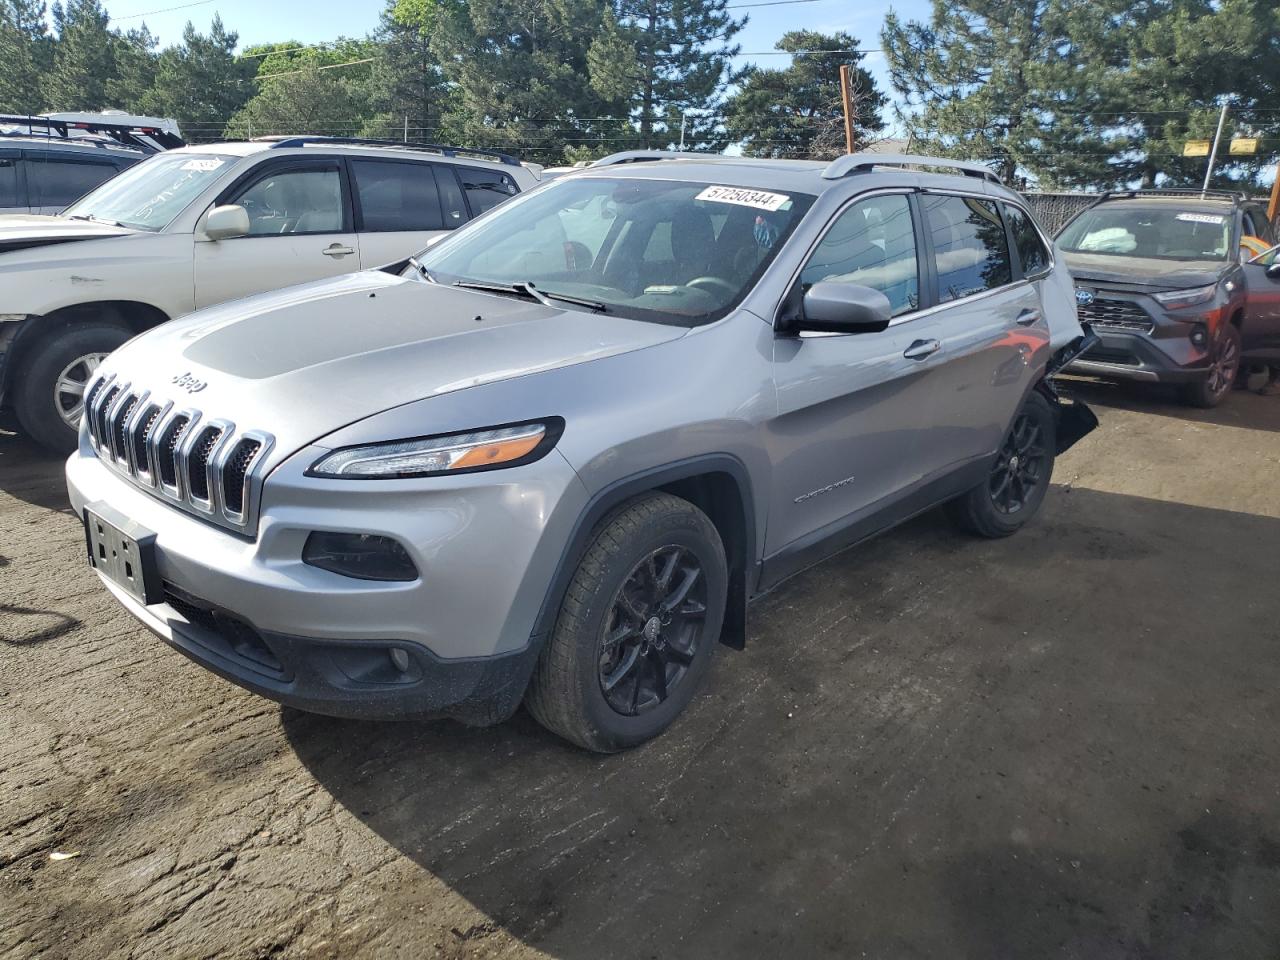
(663,250)
(1164,233)
(150,194)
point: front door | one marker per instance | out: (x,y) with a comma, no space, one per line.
(851,407)
(1260,332)
(300,229)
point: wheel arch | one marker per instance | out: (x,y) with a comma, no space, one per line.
(720,486)
(136,315)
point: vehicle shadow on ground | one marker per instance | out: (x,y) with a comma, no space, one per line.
(1241,408)
(932,746)
(31,473)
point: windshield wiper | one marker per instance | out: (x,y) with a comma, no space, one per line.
(413,262)
(90,217)
(526,288)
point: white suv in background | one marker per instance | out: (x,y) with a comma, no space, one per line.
(193,227)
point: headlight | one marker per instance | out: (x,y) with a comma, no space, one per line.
(1174,299)
(507,446)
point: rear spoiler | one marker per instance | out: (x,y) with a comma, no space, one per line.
(145,138)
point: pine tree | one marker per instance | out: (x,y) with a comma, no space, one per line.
(135,63)
(407,82)
(25,53)
(797,111)
(200,82)
(83,58)
(681,67)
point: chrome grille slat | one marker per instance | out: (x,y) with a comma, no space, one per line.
(1117,315)
(176,453)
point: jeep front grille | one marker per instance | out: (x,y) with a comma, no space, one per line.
(1117,315)
(203,465)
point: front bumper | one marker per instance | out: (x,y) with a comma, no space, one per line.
(487,546)
(1137,356)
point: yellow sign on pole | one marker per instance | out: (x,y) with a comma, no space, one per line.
(1196,148)
(1244,147)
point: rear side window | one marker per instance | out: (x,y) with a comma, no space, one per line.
(1032,252)
(9,183)
(57,183)
(872,244)
(485,189)
(397,196)
(970,246)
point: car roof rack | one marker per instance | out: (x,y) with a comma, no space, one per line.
(283,142)
(865,162)
(644,156)
(145,138)
(1236,196)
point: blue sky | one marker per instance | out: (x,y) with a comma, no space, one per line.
(314,21)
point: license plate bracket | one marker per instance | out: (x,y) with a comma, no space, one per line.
(124,552)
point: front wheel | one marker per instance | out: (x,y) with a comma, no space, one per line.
(1019,479)
(636,629)
(1223,368)
(49,398)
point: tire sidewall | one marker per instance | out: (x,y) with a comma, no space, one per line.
(36,408)
(689,529)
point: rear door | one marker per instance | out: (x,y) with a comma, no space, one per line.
(1261,329)
(13,190)
(851,407)
(400,205)
(988,326)
(300,229)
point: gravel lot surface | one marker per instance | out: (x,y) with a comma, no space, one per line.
(1060,745)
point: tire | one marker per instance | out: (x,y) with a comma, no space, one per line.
(1213,389)
(72,351)
(993,509)
(654,537)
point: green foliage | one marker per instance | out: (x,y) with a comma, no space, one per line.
(201,81)
(26,51)
(83,59)
(796,111)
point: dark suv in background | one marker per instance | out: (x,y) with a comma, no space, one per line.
(1159,277)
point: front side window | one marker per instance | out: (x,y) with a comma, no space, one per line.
(55,183)
(1165,232)
(150,194)
(970,247)
(485,189)
(294,201)
(872,244)
(1032,252)
(397,196)
(669,251)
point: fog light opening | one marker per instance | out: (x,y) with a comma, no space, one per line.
(399,659)
(1199,335)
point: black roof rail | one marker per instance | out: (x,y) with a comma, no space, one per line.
(281,142)
(865,162)
(125,134)
(1236,196)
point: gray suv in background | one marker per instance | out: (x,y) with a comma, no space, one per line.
(551,458)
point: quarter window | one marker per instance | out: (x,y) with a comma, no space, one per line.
(970,247)
(294,201)
(397,196)
(1031,249)
(485,189)
(872,244)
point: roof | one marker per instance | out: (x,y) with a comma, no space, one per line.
(84,145)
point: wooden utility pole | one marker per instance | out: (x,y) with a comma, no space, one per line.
(1275,197)
(846,94)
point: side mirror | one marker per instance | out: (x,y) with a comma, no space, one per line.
(226,223)
(1273,271)
(845,308)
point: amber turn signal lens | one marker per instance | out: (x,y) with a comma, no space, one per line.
(502,451)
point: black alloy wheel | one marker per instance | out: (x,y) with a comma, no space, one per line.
(653,630)
(1019,468)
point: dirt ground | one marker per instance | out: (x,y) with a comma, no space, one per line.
(1060,745)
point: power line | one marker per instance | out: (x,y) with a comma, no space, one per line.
(184,6)
(331,66)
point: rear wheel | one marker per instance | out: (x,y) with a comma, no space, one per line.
(1224,366)
(1019,478)
(49,398)
(635,633)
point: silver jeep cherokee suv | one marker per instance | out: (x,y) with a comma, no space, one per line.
(552,457)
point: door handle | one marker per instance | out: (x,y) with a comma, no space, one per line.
(336,250)
(921,349)
(1027,317)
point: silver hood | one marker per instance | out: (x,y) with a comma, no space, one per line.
(305,361)
(21,231)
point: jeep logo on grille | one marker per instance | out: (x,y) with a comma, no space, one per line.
(1083,297)
(189,383)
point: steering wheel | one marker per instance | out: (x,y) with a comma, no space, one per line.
(725,285)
